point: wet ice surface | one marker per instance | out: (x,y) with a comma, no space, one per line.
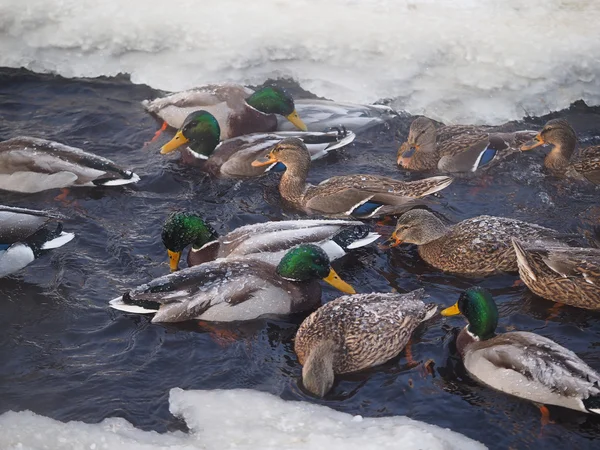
(67,356)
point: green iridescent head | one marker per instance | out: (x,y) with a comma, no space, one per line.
(200,131)
(274,100)
(480,310)
(182,229)
(308,262)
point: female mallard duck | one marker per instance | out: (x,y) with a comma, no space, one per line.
(25,236)
(238,110)
(267,240)
(477,246)
(562,274)
(32,165)
(560,134)
(355,332)
(226,290)
(456,148)
(520,363)
(198,142)
(351,195)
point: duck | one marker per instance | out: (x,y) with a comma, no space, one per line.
(198,142)
(456,148)
(27,234)
(232,289)
(520,363)
(477,246)
(569,275)
(359,196)
(29,165)
(267,241)
(322,115)
(238,110)
(560,161)
(354,332)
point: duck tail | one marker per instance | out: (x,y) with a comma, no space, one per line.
(592,404)
(128,177)
(431,185)
(522,259)
(47,239)
(354,237)
(127,304)
(430,310)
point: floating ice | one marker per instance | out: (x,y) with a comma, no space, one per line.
(240,419)
(460,61)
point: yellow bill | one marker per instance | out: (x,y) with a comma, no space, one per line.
(335,280)
(174,258)
(174,143)
(451,311)
(535,142)
(297,121)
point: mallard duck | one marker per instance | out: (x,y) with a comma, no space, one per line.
(477,246)
(31,165)
(198,142)
(321,115)
(456,148)
(354,332)
(560,134)
(520,363)
(238,110)
(351,195)
(227,290)
(568,275)
(268,240)
(25,235)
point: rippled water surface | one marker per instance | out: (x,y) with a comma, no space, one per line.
(66,355)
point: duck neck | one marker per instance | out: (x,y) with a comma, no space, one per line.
(464,339)
(293,181)
(317,372)
(433,240)
(558,158)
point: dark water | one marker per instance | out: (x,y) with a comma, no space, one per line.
(66,355)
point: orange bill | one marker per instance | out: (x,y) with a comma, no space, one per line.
(535,142)
(264,161)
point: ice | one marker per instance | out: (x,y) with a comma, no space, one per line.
(240,419)
(461,61)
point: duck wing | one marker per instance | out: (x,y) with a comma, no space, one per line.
(572,262)
(32,165)
(588,164)
(539,360)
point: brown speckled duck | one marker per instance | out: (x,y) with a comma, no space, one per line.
(477,246)
(359,196)
(568,275)
(239,110)
(456,148)
(560,161)
(355,332)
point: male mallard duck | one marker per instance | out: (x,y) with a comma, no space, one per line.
(520,363)
(321,115)
(562,274)
(477,246)
(32,165)
(354,332)
(268,240)
(226,290)
(560,134)
(238,110)
(350,195)
(198,142)
(24,237)
(456,148)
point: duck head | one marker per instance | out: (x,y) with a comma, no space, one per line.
(417,226)
(200,133)
(291,152)
(560,134)
(421,137)
(480,310)
(274,100)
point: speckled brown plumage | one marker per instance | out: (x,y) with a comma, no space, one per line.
(568,275)
(367,329)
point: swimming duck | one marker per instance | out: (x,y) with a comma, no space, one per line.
(238,110)
(568,275)
(477,246)
(520,363)
(198,142)
(25,235)
(560,134)
(456,148)
(227,290)
(355,332)
(31,165)
(268,240)
(351,195)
